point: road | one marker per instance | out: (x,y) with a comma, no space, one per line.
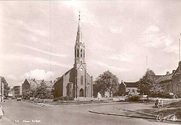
(25,113)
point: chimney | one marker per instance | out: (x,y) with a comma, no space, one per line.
(167,73)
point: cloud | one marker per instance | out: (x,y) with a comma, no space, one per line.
(49,53)
(38,74)
(152,28)
(86,15)
(32,59)
(12,77)
(116,29)
(111,67)
(171,49)
(25,26)
(153,37)
(121,57)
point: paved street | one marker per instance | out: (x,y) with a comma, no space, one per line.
(25,113)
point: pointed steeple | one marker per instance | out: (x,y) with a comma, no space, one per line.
(79,33)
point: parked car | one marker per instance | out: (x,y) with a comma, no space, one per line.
(19,99)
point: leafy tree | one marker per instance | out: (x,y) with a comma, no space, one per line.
(43,91)
(106,82)
(121,89)
(148,84)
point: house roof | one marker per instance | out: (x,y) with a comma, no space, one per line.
(131,84)
(32,82)
(36,83)
(48,83)
(165,78)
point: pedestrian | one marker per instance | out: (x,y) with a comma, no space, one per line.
(1,112)
(156,103)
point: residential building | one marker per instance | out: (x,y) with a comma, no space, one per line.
(165,81)
(33,84)
(76,82)
(176,81)
(131,87)
(2,95)
(17,91)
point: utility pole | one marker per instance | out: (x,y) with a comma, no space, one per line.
(179,50)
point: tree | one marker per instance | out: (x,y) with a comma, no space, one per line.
(43,91)
(106,82)
(148,84)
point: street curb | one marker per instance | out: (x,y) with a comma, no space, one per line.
(114,114)
(38,104)
(131,116)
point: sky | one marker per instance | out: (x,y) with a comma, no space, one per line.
(126,37)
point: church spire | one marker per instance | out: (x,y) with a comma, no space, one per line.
(79,33)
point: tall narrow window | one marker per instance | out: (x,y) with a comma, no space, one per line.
(84,54)
(82,80)
(77,52)
(81,53)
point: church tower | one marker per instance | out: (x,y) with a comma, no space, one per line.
(79,48)
(80,64)
(76,82)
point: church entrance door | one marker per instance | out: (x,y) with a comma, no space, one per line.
(81,92)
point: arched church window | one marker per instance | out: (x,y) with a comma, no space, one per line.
(82,80)
(81,53)
(77,52)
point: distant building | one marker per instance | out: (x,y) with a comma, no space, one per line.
(17,91)
(76,82)
(165,81)
(10,93)
(176,81)
(2,94)
(108,94)
(31,84)
(131,88)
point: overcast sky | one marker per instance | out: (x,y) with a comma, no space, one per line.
(37,38)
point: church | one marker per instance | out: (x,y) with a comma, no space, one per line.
(76,82)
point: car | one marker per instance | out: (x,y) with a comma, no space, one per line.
(19,99)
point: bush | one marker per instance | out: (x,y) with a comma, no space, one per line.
(161,95)
(63,98)
(133,98)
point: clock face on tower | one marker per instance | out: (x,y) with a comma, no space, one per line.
(81,69)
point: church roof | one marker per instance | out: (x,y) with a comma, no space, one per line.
(63,75)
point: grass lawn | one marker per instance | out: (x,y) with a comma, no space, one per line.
(174,107)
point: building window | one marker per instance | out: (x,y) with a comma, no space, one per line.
(77,52)
(82,80)
(84,53)
(81,53)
